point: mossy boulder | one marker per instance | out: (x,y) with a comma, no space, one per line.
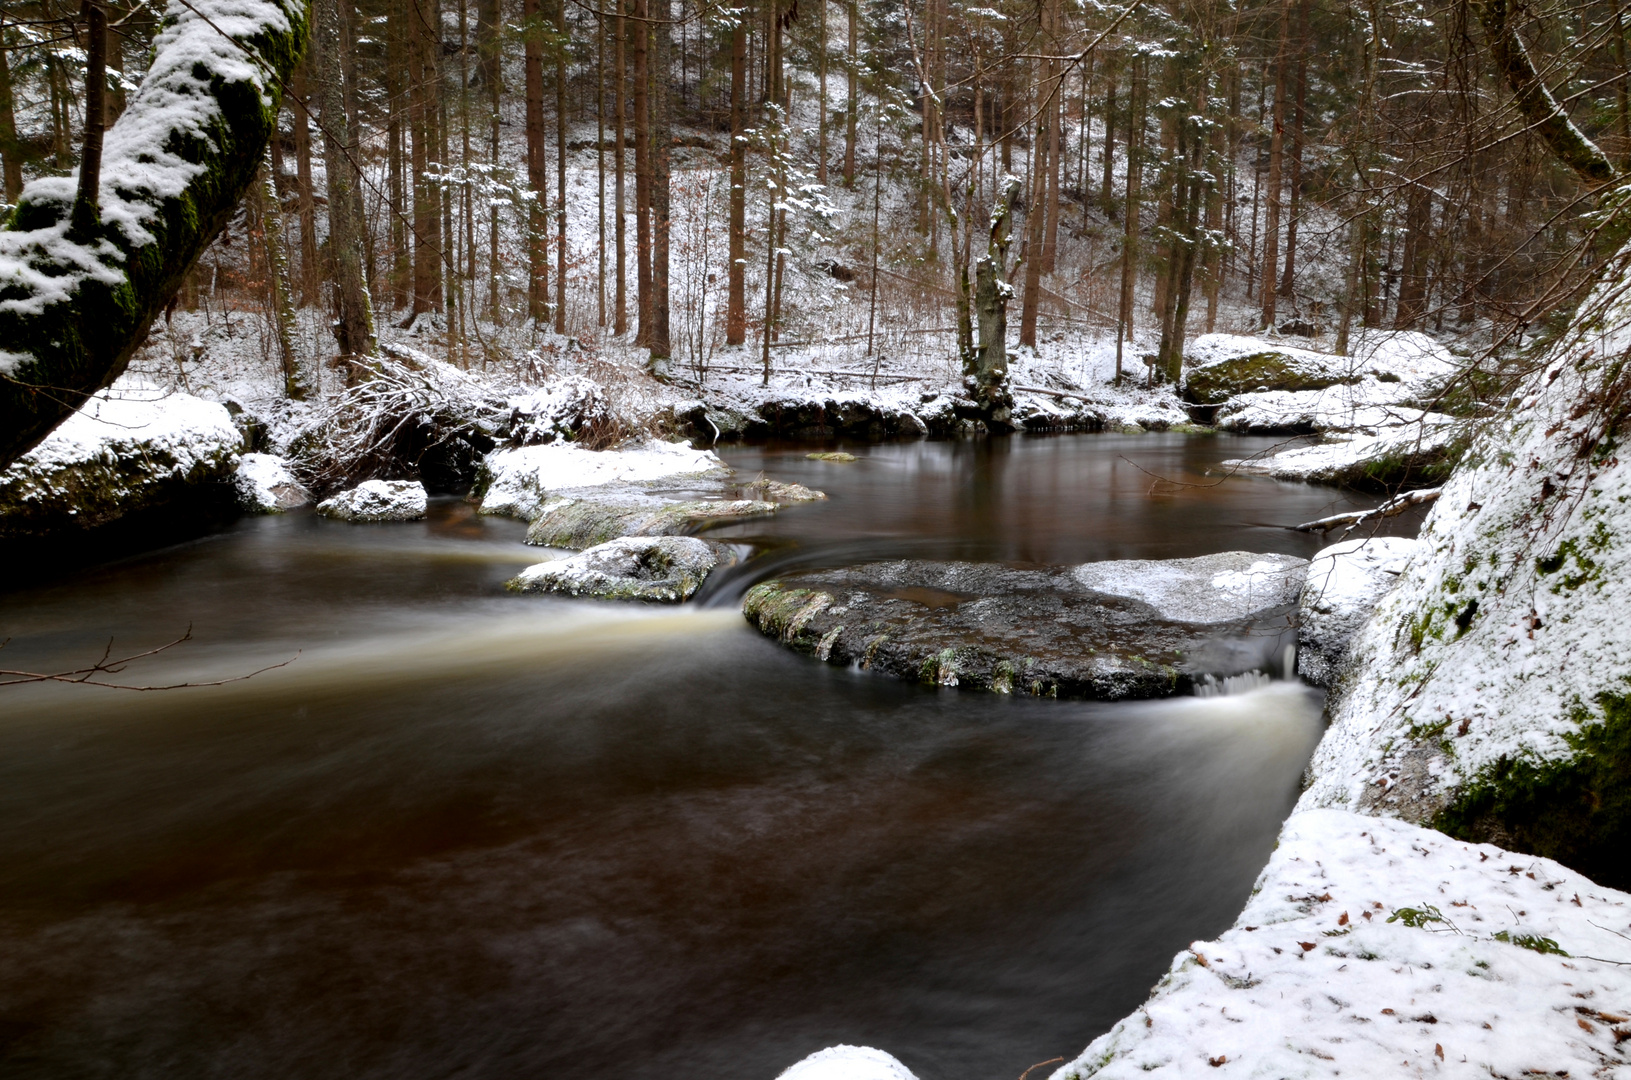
(1105,630)
(1219,366)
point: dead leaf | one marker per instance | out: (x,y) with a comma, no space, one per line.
(1585,1025)
(1308,946)
(1387,1012)
(1219,1060)
(1343,921)
(1438,1048)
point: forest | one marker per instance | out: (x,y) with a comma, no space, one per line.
(818,539)
(708,185)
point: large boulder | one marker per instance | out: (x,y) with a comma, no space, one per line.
(1374,948)
(133,449)
(1418,453)
(518,482)
(1345,583)
(1104,630)
(585,521)
(377,501)
(663,569)
(1490,694)
(1219,366)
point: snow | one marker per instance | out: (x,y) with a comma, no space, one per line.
(1345,582)
(377,500)
(1225,587)
(558,411)
(1507,634)
(148,155)
(668,569)
(845,1062)
(522,479)
(1314,980)
(266,486)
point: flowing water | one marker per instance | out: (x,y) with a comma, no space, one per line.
(468,834)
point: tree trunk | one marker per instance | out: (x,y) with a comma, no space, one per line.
(620,75)
(73,334)
(310,275)
(1271,222)
(537,170)
(1288,280)
(354,325)
(298,382)
(88,199)
(987,380)
(1109,141)
(11,150)
(640,38)
(427,210)
(1413,279)
(662,142)
(736,302)
(852,107)
(562,44)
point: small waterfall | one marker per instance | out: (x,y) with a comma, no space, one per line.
(1211,686)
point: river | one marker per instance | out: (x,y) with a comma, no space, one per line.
(469,834)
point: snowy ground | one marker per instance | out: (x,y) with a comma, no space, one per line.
(1375,948)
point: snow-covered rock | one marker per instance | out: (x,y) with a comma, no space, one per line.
(1377,948)
(130,448)
(1226,587)
(518,482)
(848,1063)
(1344,584)
(1219,366)
(1416,453)
(377,500)
(266,486)
(666,569)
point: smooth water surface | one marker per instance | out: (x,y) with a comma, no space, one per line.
(468,834)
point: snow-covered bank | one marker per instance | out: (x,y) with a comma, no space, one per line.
(1372,948)
(130,449)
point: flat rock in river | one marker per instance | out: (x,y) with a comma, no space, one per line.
(583,522)
(1107,630)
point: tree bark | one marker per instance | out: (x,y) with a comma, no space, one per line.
(640,38)
(562,44)
(537,174)
(852,107)
(620,311)
(72,334)
(310,275)
(88,198)
(354,325)
(1271,222)
(1544,115)
(298,383)
(736,300)
(11,150)
(662,143)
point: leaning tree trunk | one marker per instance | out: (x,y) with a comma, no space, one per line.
(174,166)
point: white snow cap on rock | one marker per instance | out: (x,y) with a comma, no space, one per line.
(134,413)
(1373,948)
(1212,588)
(377,500)
(848,1063)
(1345,583)
(266,486)
(522,479)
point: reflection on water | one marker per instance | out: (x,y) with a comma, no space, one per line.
(480,835)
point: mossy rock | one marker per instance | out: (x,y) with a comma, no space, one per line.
(580,523)
(1576,809)
(658,569)
(1217,381)
(1000,630)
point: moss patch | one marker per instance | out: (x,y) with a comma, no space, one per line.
(1577,810)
